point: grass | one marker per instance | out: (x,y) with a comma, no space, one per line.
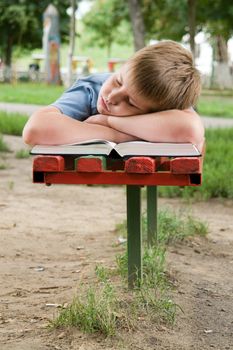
(22,154)
(216,105)
(107,306)
(92,311)
(12,123)
(217,171)
(3,146)
(172,227)
(30,93)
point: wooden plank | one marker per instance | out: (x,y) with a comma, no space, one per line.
(187,165)
(119,178)
(49,163)
(141,165)
(90,164)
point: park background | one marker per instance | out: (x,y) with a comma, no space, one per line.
(188,301)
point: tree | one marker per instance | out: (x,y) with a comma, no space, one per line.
(73,4)
(103,22)
(21,24)
(165,19)
(216,17)
(137,22)
(192,4)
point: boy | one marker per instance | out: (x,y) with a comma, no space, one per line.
(150,98)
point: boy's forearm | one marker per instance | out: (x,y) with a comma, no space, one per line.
(165,126)
(48,126)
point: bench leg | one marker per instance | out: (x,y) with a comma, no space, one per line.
(152,229)
(134,241)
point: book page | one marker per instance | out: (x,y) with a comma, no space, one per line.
(82,148)
(90,142)
(142,148)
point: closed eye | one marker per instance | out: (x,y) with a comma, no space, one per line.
(132,104)
(118,82)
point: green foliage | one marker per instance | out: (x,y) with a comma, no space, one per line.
(12,123)
(106,23)
(217,171)
(216,17)
(21,24)
(166,19)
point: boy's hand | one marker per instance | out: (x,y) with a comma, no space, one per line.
(99,119)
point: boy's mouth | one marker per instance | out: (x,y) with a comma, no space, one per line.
(104,104)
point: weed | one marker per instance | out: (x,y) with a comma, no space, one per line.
(94,310)
(22,154)
(11,185)
(106,307)
(12,123)
(3,166)
(3,146)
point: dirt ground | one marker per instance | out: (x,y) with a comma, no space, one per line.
(52,237)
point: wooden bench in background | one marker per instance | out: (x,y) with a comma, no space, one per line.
(134,172)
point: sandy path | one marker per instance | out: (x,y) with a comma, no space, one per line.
(52,237)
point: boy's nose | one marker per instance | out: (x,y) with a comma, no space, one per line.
(115,97)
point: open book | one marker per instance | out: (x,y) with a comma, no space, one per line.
(125,149)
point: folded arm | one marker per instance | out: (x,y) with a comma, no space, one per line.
(49,126)
(165,126)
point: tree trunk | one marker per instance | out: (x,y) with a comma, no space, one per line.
(71,42)
(137,24)
(7,60)
(8,52)
(192,24)
(221,74)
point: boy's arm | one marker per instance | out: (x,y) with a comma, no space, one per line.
(49,126)
(165,126)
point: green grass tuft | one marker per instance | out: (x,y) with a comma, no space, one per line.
(12,123)
(94,310)
(3,146)
(171,228)
(107,305)
(22,154)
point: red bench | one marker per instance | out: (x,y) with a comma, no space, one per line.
(134,172)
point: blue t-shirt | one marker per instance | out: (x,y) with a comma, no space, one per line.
(80,100)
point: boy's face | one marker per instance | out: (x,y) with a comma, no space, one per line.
(118,96)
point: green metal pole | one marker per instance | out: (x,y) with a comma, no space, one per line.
(152,215)
(134,241)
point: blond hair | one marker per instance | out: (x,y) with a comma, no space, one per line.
(165,74)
